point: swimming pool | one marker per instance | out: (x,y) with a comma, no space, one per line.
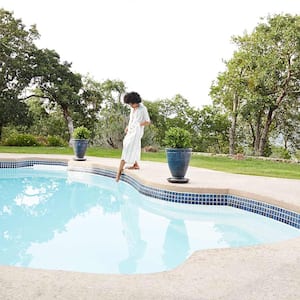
(85,222)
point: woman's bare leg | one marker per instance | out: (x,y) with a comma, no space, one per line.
(121,168)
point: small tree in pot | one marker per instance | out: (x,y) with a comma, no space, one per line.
(178,142)
(81,137)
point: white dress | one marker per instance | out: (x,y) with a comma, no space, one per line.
(131,152)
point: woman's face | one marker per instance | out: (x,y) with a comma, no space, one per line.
(134,105)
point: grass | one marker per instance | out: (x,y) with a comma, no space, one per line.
(248,166)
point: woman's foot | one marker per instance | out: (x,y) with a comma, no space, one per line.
(134,167)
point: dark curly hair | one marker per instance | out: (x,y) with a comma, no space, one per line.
(132,97)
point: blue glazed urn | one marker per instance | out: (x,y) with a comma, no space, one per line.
(80,146)
(178,162)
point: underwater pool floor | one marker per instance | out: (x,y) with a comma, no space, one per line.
(270,271)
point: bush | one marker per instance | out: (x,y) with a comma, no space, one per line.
(281,152)
(177,138)
(42,141)
(297,154)
(81,133)
(21,139)
(56,141)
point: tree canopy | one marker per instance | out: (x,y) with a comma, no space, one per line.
(261,79)
(17,66)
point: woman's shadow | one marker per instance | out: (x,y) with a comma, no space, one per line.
(176,245)
(131,230)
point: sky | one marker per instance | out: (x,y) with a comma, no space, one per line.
(159,48)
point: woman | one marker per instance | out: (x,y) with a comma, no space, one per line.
(139,118)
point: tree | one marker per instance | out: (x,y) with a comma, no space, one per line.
(213,130)
(59,84)
(91,101)
(166,113)
(262,77)
(113,116)
(17,66)
(273,80)
(46,121)
(229,91)
(25,67)
(288,128)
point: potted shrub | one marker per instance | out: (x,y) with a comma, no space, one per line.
(81,137)
(178,142)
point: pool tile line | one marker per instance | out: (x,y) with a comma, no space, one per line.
(268,210)
(30,163)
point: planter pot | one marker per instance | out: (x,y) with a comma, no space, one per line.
(80,146)
(178,162)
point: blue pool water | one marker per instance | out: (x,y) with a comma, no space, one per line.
(54,219)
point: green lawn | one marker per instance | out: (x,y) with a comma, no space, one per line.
(248,166)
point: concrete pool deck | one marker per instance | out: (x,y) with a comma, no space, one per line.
(270,271)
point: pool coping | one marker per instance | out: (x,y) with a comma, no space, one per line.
(208,274)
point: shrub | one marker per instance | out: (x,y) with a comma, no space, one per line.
(42,141)
(281,152)
(285,154)
(21,139)
(177,138)
(81,133)
(56,141)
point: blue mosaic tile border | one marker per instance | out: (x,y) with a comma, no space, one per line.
(268,210)
(30,163)
(188,198)
(265,209)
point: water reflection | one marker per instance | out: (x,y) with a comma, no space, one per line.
(234,236)
(23,216)
(176,245)
(132,234)
(27,218)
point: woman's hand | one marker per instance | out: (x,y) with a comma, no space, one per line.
(145,123)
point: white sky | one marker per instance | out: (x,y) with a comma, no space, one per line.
(159,48)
